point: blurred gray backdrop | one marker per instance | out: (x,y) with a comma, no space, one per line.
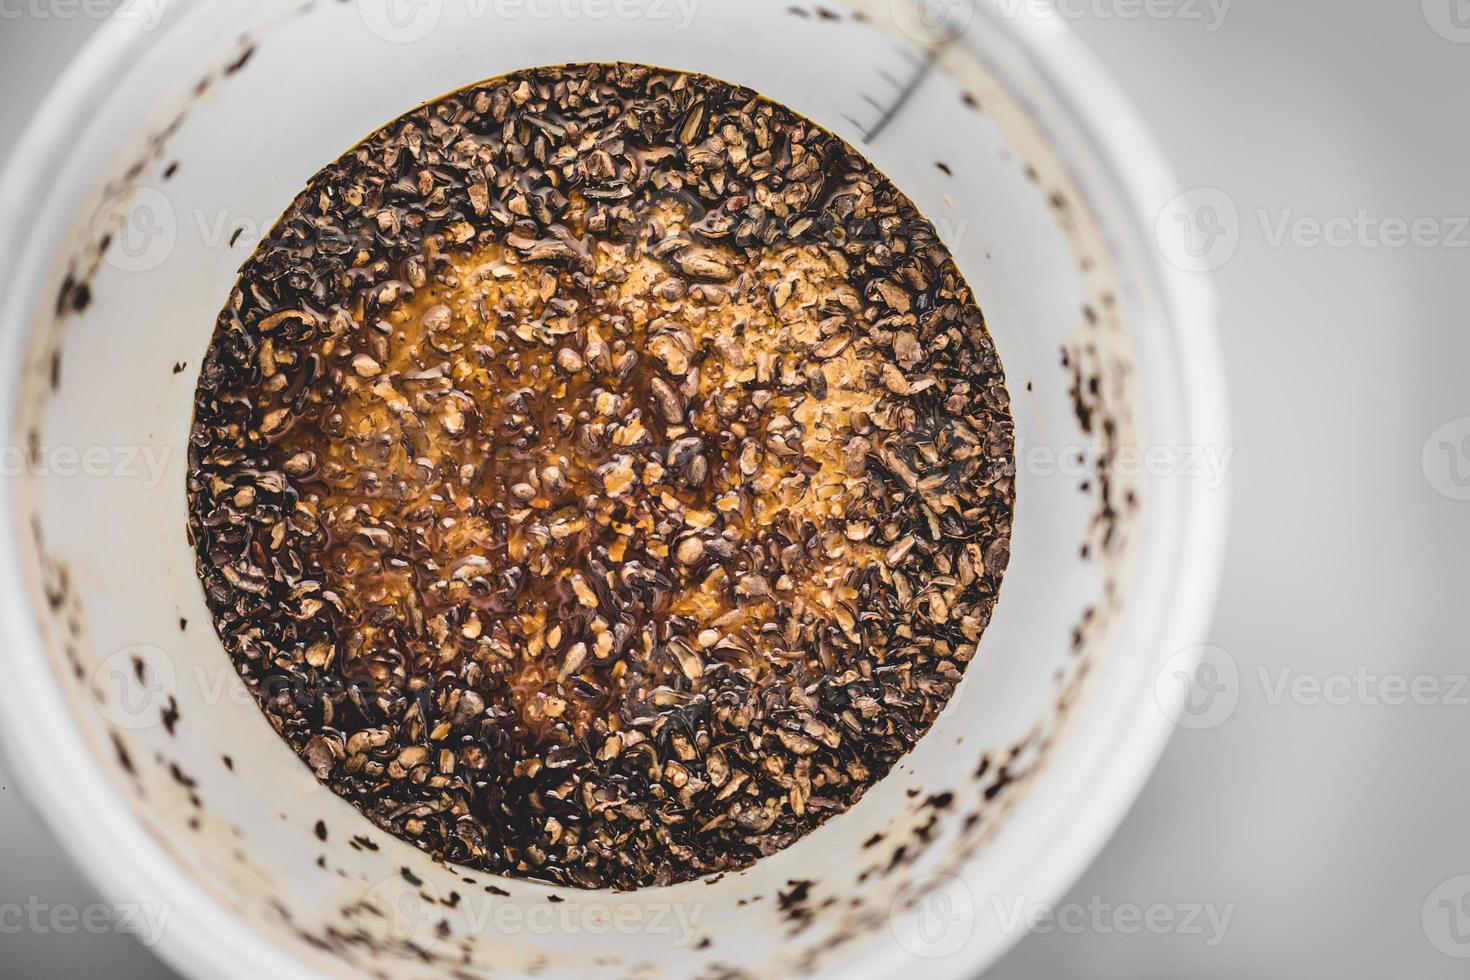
(1330,814)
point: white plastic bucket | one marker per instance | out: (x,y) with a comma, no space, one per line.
(186,122)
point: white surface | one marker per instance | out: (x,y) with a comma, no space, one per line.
(1324,828)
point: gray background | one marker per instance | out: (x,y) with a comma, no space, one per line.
(1324,827)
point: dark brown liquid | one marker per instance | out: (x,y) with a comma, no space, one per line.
(601,475)
(473,485)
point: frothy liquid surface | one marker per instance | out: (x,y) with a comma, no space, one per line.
(504,423)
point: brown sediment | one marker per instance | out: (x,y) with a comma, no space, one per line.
(601,475)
